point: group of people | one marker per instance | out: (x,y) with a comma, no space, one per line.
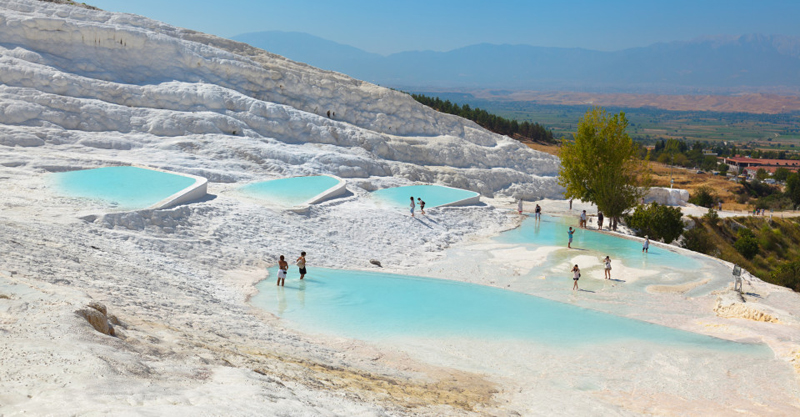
(421,206)
(283,268)
(537,212)
(576,272)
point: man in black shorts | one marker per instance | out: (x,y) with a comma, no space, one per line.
(301,263)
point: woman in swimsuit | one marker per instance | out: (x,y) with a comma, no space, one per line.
(608,267)
(576,274)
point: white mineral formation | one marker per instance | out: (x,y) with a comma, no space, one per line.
(146,312)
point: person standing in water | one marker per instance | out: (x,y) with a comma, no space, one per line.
(600,218)
(576,275)
(412,206)
(301,263)
(421,205)
(608,267)
(646,244)
(283,266)
(537,214)
(519,206)
(570,233)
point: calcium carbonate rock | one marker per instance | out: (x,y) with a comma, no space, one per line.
(97,319)
(667,196)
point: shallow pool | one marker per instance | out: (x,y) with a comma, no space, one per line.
(290,192)
(552,231)
(432,195)
(124,187)
(378,306)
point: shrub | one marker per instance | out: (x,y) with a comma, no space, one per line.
(698,240)
(712,217)
(746,243)
(788,275)
(657,221)
(703,196)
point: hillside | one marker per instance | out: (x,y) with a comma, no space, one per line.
(183,92)
(778,241)
(714,65)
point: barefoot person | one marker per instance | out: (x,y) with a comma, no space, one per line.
(519,206)
(570,233)
(583,220)
(421,205)
(646,245)
(301,263)
(538,213)
(412,206)
(600,218)
(608,267)
(576,274)
(283,266)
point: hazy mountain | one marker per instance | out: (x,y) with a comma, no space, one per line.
(712,64)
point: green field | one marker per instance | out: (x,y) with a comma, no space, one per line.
(765,131)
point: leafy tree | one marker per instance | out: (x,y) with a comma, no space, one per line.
(657,221)
(602,166)
(698,240)
(781,174)
(761,174)
(712,217)
(703,196)
(793,188)
(723,168)
(787,274)
(746,243)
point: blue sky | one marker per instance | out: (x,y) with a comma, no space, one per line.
(393,26)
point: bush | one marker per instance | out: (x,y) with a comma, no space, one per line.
(712,217)
(698,240)
(787,275)
(703,196)
(657,221)
(746,243)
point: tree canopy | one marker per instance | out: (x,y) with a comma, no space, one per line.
(602,164)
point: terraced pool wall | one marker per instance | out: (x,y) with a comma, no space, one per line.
(335,191)
(194,192)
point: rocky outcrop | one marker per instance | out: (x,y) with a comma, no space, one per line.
(734,306)
(96,314)
(667,196)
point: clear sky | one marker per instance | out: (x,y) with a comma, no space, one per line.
(401,25)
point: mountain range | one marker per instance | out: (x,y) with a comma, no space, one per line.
(710,65)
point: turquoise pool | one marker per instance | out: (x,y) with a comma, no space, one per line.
(552,231)
(290,192)
(377,306)
(432,195)
(124,187)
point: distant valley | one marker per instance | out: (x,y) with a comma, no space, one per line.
(753,73)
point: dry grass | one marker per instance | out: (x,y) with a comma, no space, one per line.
(689,180)
(683,178)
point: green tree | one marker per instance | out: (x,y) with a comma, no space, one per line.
(746,243)
(602,166)
(793,188)
(657,222)
(703,196)
(781,174)
(698,239)
(787,274)
(761,174)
